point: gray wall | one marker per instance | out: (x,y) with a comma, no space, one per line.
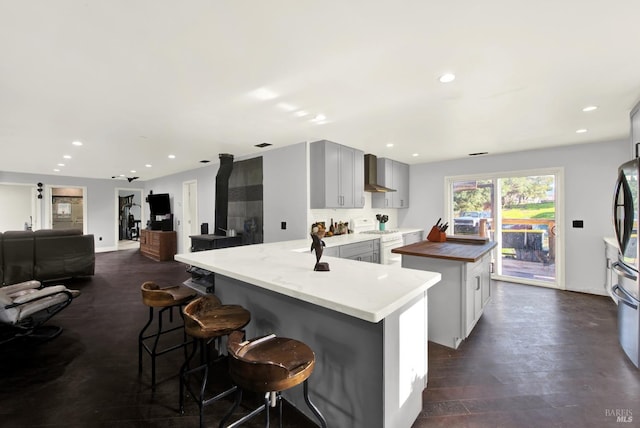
(284,186)
(590,171)
(101,201)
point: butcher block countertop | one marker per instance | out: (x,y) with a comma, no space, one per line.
(462,250)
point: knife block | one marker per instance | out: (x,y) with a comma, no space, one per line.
(435,235)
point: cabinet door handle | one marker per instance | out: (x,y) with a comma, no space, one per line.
(478,283)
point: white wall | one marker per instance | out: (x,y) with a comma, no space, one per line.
(590,171)
(16,201)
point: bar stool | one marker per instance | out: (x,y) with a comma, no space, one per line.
(207,320)
(164,299)
(269,365)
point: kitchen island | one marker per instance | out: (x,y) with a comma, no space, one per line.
(456,303)
(367,324)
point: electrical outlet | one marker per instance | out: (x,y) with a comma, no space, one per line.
(579,224)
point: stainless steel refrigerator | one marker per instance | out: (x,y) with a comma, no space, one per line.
(625,220)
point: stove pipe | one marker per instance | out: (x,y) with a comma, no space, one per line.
(222,193)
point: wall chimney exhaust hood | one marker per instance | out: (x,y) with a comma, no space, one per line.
(371,176)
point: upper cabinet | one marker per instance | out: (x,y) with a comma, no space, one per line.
(337,175)
(394,175)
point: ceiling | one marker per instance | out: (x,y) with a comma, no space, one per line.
(136,81)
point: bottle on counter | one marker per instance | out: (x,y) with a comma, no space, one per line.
(331,228)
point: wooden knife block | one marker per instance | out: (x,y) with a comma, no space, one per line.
(435,235)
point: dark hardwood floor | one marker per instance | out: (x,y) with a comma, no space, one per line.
(537,358)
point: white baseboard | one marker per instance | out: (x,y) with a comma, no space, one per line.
(105,249)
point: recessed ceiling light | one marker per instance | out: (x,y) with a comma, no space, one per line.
(415,155)
(66,157)
(148,165)
(581,131)
(301,113)
(447,78)
(264,94)
(478,153)
(172,156)
(77,143)
(60,164)
(287,107)
(389,144)
(205,161)
(263,145)
(590,108)
(319,118)
(133,171)
(56,170)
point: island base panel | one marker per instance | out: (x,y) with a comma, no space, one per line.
(366,374)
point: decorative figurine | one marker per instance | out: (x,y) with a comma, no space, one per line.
(318,245)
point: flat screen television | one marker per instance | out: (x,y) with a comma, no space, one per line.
(159,204)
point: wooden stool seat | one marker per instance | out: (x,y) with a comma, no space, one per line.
(162,300)
(206,317)
(268,365)
(207,320)
(154,296)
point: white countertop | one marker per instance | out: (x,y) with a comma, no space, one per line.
(363,290)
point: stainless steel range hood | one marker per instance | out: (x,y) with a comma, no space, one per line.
(371,176)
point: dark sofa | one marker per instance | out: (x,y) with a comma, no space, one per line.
(45,255)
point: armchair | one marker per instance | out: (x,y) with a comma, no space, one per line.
(26,306)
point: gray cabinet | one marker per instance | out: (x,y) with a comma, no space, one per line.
(331,252)
(411,237)
(395,175)
(366,251)
(337,176)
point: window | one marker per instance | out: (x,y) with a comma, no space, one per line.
(518,210)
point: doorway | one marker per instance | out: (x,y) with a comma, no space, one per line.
(189,213)
(21,207)
(129,214)
(65,207)
(518,210)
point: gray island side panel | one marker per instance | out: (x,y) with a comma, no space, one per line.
(347,381)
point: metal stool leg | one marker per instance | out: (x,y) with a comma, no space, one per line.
(313,408)
(233,408)
(141,338)
(183,373)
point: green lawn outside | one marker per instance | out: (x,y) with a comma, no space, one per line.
(540,211)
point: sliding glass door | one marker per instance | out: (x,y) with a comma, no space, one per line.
(518,210)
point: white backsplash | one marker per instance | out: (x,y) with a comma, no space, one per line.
(347,214)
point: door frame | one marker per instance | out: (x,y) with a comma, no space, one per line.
(48,204)
(189,215)
(558,172)
(116,218)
